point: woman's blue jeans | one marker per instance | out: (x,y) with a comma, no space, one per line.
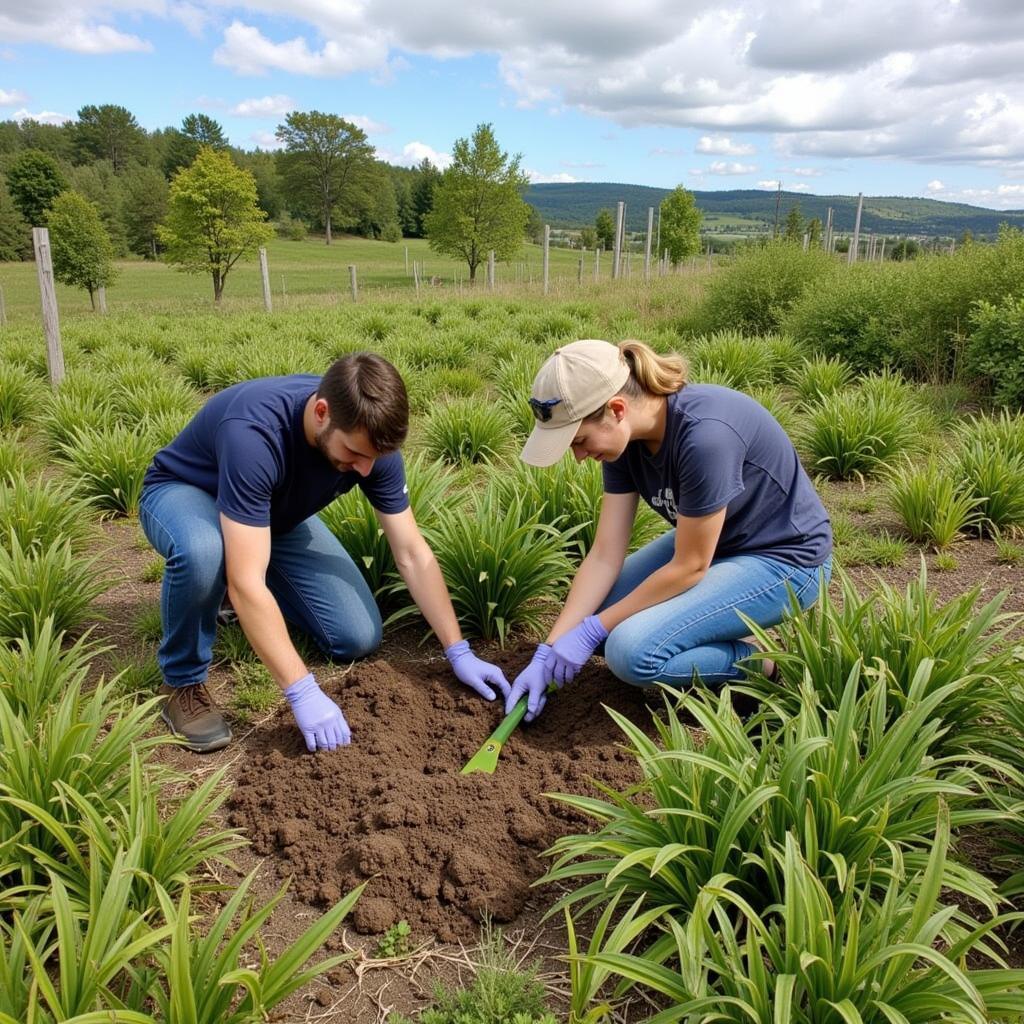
(700,631)
(315,582)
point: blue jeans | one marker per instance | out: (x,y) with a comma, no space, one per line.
(699,631)
(315,582)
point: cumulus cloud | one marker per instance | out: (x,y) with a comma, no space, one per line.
(43,116)
(368,124)
(550,179)
(264,106)
(726,168)
(722,145)
(1002,197)
(768,184)
(413,153)
(83,28)
(266,140)
(8,97)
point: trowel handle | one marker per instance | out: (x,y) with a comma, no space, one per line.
(513,718)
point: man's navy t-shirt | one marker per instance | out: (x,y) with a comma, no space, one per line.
(247,448)
(724,450)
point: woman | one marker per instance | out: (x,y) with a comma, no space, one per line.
(748,524)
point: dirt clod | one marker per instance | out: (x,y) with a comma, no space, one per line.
(436,848)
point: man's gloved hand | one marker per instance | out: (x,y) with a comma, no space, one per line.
(319,719)
(476,674)
(571,651)
(530,682)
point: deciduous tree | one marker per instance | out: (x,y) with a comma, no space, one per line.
(82,254)
(604,227)
(145,206)
(478,203)
(324,159)
(34,181)
(213,218)
(680,225)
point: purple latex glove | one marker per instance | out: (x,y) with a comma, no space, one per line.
(530,682)
(319,719)
(476,674)
(571,651)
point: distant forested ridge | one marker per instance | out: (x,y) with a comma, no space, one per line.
(577,204)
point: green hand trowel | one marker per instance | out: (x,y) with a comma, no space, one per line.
(486,758)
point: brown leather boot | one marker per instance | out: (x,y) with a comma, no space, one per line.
(190,713)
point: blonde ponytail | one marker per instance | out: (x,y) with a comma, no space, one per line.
(652,374)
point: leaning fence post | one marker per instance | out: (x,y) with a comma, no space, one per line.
(268,304)
(48,297)
(352,282)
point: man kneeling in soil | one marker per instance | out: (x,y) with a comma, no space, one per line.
(231,505)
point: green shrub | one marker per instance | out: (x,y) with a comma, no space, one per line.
(753,293)
(995,350)
(468,430)
(995,481)
(727,355)
(931,503)
(853,434)
(856,316)
(1004,432)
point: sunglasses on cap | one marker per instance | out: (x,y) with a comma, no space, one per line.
(542,409)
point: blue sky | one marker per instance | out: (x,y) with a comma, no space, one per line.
(912,97)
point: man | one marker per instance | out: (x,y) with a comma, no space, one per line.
(231,504)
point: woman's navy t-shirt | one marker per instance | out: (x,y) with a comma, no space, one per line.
(724,450)
(247,448)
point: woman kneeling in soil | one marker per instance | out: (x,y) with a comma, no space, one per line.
(749,526)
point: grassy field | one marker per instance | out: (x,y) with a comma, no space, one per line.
(297,270)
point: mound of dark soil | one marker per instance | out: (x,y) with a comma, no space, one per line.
(439,849)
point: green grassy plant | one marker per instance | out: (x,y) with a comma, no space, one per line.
(468,430)
(153,397)
(21,396)
(136,676)
(946,561)
(148,624)
(504,567)
(885,550)
(109,465)
(43,512)
(17,455)
(153,572)
(1008,552)
(36,584)
(729,355)
(995,480)
(931,505)
(232,645)
(254,692)
(819,376)
(854,435)
(81,403)
(513,377)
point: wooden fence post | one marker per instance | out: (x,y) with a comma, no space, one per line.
(647,244)
(268,303)
(579,269)
(3,308)
(416,276)
(352,282)
(597,263)
(851,256)
(617,254)
(407,261)
(490,270)
(547,246)
(48,297)
(101,298)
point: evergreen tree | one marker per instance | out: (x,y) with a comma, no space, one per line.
(183,145)
(213,218)
(145,206)
(814,233)
(81,251)
(108,132)
(604,228)
(680,225)
(427,177)
(34,181)
(104,189)
(478,204)
(794,224)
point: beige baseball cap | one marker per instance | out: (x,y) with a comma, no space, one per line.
(574,382)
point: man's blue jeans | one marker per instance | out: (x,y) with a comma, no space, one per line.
(315,582)
(700,630)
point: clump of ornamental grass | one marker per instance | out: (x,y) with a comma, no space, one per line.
(505,568)
(17,455)
(993,476)
(772,399)
(819,376)
(855,434)
(852,955)
(513,380)
(153,397)
(892,632)
(466,431)
(446,384)
(232,645)
(426,350)
(352,519)
(785,354)
(81,403)
(932,505)
(21,396)
(730,355)
(42,512)
(109,465)
(40,583)
(861,792)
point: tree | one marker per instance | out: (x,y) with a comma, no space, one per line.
(588,238)
(81,251)
(427,177)
(794,224)
(534,224)
(680,225)
(108,132)
(213,218)
(324,158)
(904,249)
(144,207)
(604,228)
(814,233)
(101,186)
(34,180)
(478,203)
(183,145)
(15,232)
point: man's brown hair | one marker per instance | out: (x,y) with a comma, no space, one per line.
(363,390)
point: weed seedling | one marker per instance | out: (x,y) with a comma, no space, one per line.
(394,942)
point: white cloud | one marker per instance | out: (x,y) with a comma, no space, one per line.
(8,97)
(935,186)
(1002,197)
(266,140)
(413,153)
(264,106)
(659,151)
(550,179)
(722,145)
(54,23)
(806,172)
(800,186)
(43,117)
(768,184)
(725,168)
(368,124)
